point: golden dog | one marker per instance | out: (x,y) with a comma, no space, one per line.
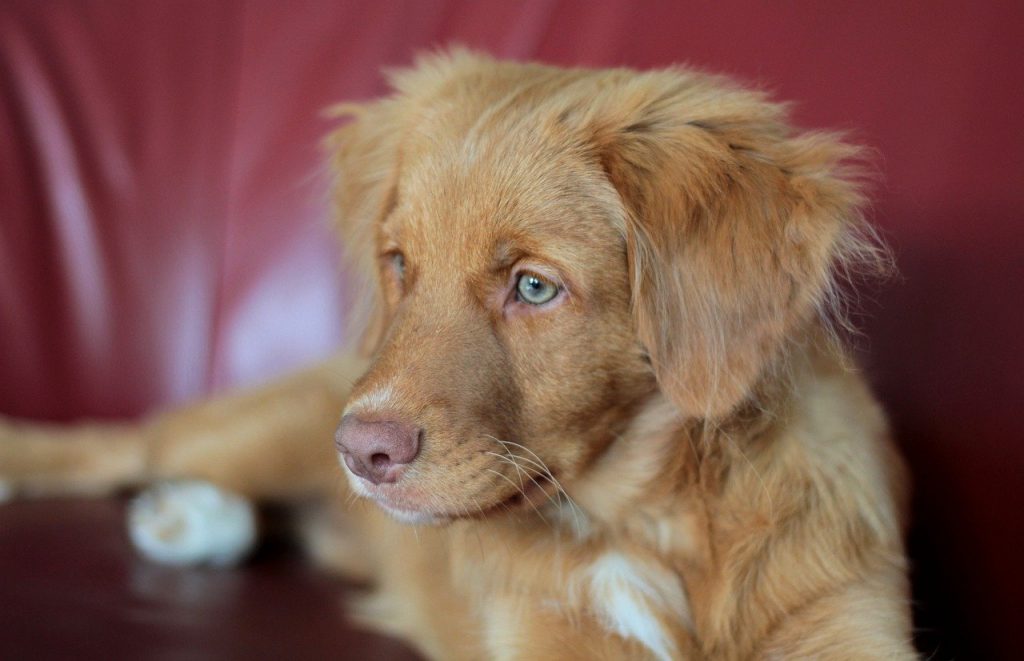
(600,360)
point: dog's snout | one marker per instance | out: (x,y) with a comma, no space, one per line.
(376,450)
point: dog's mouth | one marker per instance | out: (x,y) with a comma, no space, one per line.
(530,496)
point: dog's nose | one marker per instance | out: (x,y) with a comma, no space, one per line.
(377,450)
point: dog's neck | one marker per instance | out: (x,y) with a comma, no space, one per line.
(654,482)
(644,456)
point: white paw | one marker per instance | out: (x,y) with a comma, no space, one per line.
(192,523)
(6,491)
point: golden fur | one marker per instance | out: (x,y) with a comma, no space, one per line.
(673,459)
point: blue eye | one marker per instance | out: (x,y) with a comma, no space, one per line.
(398,263)
(535,290)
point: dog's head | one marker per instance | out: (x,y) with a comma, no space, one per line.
(548,248)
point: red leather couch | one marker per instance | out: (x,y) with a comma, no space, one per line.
(163,234)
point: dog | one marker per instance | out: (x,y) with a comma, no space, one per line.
(601,376)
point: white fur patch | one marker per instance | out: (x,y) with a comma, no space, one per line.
(382,398)
(629,595)
(6,491)
(192,523)
(413,518)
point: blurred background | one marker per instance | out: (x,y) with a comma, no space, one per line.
(164,234)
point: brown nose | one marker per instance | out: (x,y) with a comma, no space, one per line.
(377,450)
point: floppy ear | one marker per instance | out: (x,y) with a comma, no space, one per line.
(364,160)
(734,230)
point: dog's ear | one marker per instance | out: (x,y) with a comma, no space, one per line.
(735,229)
(364,159)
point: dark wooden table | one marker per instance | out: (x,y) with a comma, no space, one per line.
(71,586)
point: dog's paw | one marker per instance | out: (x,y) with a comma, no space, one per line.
(192,523)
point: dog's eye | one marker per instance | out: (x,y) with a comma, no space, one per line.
(535,290)
(398,263)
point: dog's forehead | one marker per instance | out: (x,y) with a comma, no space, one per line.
(479,196)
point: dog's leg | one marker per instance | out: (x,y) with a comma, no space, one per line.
(92,459)
(268,443)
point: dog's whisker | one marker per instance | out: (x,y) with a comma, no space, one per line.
(519,469)
(537,461)
(521,493)
(507,479)
(540,487)
(511,458)
(545,472)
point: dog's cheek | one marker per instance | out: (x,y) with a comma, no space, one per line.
(578,394)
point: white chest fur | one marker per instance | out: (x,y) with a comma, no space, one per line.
(636,599)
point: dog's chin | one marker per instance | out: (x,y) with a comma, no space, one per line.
(413,517)
(398,503)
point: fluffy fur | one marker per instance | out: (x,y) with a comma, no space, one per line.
(671,459)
